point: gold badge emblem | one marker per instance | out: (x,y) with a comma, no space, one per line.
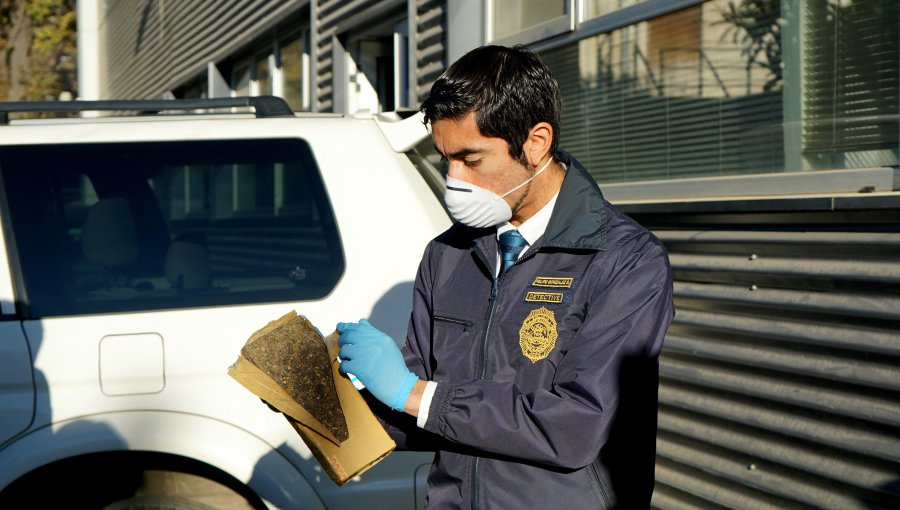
(537,337)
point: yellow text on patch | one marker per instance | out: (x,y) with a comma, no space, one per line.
(547,281)
(544,297)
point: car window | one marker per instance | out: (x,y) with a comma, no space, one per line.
(141,226)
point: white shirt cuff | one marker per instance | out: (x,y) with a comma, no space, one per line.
(425,403)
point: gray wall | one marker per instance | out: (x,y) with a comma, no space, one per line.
(780,381)
(153,46)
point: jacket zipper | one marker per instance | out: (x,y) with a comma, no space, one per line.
(482,368)
(596,477)
(461,322)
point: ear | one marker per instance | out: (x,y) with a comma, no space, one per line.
(537,144)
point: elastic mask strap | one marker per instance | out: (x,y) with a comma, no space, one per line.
(530,178)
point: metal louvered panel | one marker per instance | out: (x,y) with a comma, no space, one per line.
(330,13)
(164,43)
(431,44)
(334,18)
(324,76)
(780,376)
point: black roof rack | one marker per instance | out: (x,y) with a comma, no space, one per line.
(264,106)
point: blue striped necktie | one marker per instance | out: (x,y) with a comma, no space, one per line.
(511,244)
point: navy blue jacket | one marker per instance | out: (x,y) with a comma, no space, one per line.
(547,377)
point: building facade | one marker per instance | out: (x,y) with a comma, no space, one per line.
(758,138)
(320,56)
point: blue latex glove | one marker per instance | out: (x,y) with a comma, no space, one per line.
(375,360)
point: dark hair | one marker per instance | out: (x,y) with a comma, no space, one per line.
(509,89)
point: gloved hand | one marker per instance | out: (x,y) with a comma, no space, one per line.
(374,359)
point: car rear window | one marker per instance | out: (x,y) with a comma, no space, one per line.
(118,227)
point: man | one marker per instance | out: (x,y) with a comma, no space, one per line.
(531,361)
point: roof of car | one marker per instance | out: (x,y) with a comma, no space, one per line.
(263,106)
(402,129)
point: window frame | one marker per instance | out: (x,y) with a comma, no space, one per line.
(830,181)
(299,152)
(539,32)
(271,54)
(283,41)
(240,65)
(584,28)
(266,55)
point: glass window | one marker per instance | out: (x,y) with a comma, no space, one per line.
(594,8)
(240,80)
(188,224)
(511,16)
(849,91)
(263,76)
(193,90)
(709,90)
(291,54)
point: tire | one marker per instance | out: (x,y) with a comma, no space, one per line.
(157,503)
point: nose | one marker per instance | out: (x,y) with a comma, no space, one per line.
(456,169)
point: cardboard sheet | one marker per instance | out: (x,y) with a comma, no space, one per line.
(367,442)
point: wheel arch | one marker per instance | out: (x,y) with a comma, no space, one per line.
(205,446)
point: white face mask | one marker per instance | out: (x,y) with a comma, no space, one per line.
(477,207)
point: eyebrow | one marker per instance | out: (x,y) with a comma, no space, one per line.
(461,153)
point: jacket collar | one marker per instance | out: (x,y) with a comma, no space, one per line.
(579,216)
(578,221)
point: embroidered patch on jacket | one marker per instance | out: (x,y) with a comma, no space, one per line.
(537,337)
(549,281)
(544,297)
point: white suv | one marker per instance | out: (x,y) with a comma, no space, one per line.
(139,254)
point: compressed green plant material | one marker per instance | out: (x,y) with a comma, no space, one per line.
(293,354)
